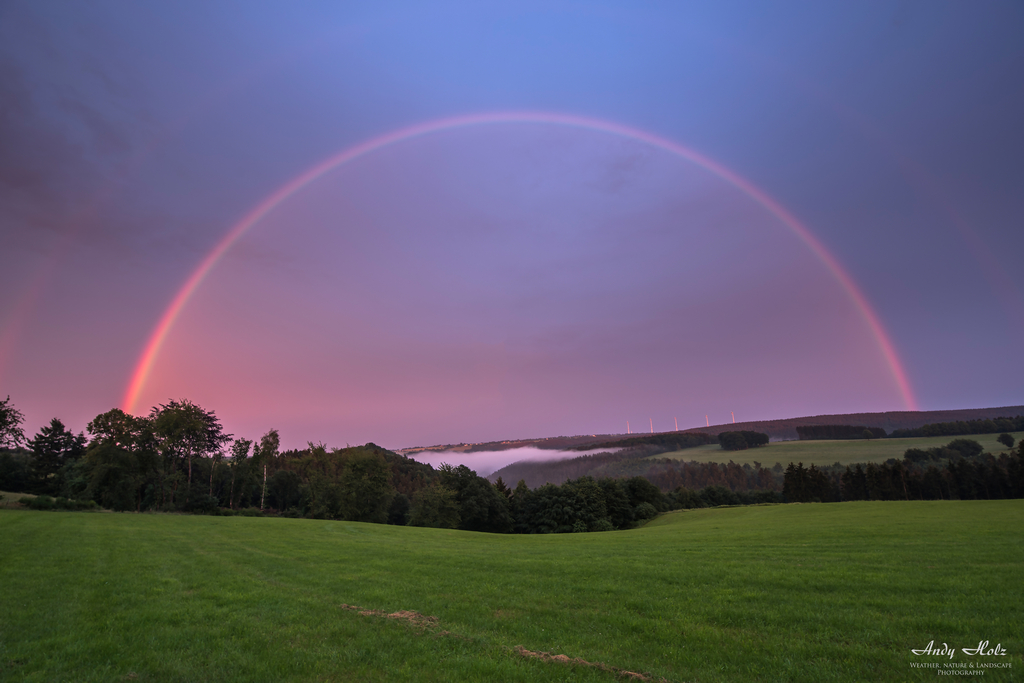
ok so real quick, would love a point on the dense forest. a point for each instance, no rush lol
(964, 427)
(786, 429)
(178, 459)
(817, 432)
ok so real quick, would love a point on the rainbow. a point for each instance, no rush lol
(170, 315)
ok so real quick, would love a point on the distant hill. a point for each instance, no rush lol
(550, 442)
(777, 430)
(783, 430)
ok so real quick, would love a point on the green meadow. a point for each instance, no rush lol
(833, 592)
(829, 452)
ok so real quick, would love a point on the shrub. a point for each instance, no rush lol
(714, 496)
(603, 524)
(202, 503)
(968, 448)
(435, 506)
(42, 503)
(645, 511)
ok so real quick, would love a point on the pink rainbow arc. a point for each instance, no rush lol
(170, 315)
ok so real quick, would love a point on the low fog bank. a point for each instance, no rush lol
(487, 462)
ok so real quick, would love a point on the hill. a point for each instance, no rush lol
(785, 430)
(777, 430)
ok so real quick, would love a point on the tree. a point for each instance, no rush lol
(366, 488)
(616, 502)
(239, 467)
(1006, 440)
(185, 431)
(11, 433)
(121, 458)
(501, 487)
(398, 511)
(481, 506)
(968, 448)
(732, 441)
(116, 476)
(53, 447)
(641, 490)
(265, 453)
(435, 506)
(284, 489)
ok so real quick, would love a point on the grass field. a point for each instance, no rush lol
(828, 452)
(837, 592)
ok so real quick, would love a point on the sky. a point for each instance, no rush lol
(430, 223)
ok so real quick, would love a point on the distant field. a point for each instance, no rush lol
(10, 500)
(837, 592)
(828, 452)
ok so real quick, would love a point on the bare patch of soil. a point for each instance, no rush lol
(563, 659)
(424, 623)
(421, 622)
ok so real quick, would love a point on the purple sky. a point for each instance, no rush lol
(520, 278)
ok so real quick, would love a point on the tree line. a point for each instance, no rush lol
(823, 432)
(742, 440)
(964, 427)
(178, 459)
(960, 470)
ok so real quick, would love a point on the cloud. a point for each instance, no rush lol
(486, 462)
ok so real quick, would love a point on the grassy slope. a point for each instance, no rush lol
(794, 592)
(828, 452)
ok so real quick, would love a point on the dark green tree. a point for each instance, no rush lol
(241, 474)
(122, 460)
(116, 476)
(641, 490)
(435, 506)
(398, 511)
(52, 448)
(481, 507)
(968, 448)
(284, 489)
(185, 431)
(1007, 440)
(264, 455)
(366, 489)
(732, 441)
(585, 500)
(501, 487)
(616, 503)
(11, 433)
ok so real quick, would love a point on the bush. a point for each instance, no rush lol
(203, 503)
(968, 448)
(435, 506)
(645, 511)
(1006, 440)
(42, 503)
(603, 524)
(713, 496)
